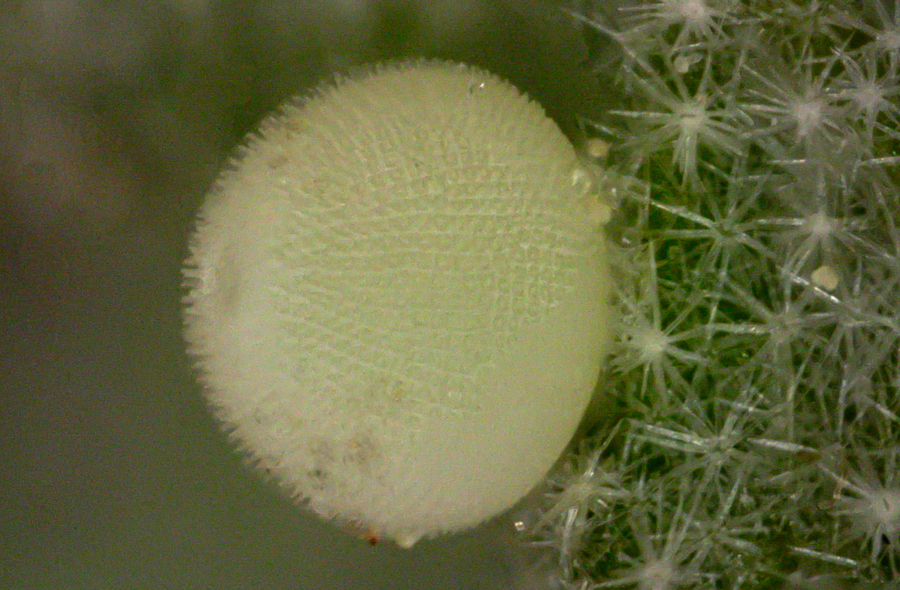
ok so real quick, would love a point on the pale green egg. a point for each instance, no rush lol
(397, 298)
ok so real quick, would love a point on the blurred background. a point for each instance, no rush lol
(114, 120)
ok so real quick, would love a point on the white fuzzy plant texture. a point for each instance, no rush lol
(756, 439)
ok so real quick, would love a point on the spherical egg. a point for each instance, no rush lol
(396, 298)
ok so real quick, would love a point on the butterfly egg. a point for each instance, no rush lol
(397, 298)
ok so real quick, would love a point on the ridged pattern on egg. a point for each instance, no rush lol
(396, 298)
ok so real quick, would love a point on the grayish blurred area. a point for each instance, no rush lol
(114, 120)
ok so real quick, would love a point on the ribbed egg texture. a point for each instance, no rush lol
(397, 298)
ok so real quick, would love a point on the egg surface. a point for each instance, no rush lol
(397, 298)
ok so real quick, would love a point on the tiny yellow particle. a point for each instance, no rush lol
(596, 148)
(826, 277)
